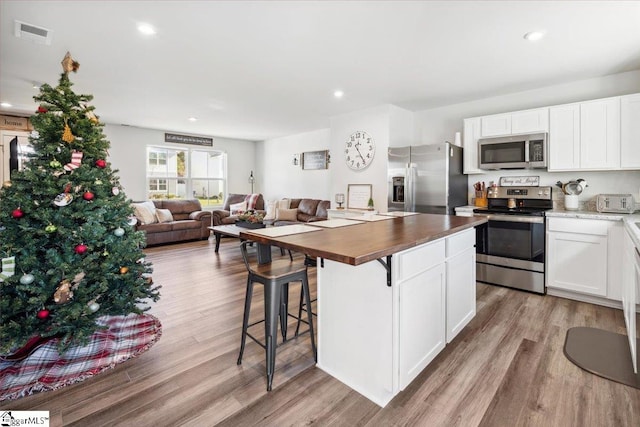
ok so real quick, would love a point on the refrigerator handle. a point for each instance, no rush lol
(410, 198)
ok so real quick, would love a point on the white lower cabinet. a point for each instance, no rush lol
(461, 291)
(422, 322)
(581, 256)
(437, 293)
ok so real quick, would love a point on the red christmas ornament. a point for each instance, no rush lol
(80, 249)
(17, 213)
(42, 110)
(43, 314)
(88, 195)
(101, 163)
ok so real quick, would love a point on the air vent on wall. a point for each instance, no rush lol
(32, 33)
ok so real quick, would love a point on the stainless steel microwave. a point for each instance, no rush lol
(513, 152)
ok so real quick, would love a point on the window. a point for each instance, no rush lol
(157, 159)
(158, 185)
(187, 173)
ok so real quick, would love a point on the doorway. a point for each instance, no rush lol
(5, 147)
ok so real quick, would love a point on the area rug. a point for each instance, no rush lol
(45, 369)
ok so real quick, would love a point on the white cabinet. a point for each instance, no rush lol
(496, 125)
(630, 131)
(461, 281)
(564, 137)
(528, 121)
(422, 322)
(437, 296)
(470, 145)
(583, 256)
(585, 136)
(630, 281)
(600, 134)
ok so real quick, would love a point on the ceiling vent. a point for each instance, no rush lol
(32, 33)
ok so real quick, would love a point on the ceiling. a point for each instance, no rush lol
(263, 69)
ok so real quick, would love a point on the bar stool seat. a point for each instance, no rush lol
(275, 276)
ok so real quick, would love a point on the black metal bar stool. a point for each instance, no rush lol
(275, 276)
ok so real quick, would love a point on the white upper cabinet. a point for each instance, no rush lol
(630, 131)
(564, 137)
(528, 121)
(470, 145)
(600, 134)
(585, 136)
(496, 125)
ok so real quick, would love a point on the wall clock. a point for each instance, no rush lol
(359, 150)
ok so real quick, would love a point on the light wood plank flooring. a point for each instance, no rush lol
(506, 368)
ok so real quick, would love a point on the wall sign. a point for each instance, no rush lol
(358, 196)
(188, 139)
(519, 181)
(15, 123)
(315, 160)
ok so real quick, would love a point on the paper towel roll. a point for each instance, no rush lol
(458, 139)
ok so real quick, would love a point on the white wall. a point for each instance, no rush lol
(128, 155)
(377, 123)
(278, 177)
(441, 124)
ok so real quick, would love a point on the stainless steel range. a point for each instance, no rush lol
(510, 246)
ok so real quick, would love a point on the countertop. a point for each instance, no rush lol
(629, 220)
(366, 241)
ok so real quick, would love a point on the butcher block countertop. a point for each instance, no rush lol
(366, 241)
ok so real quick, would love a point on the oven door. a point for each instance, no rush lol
(513, 236)
(510, 252)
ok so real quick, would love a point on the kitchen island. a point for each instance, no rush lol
(391, 293)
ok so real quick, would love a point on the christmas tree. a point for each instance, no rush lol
(69, 251)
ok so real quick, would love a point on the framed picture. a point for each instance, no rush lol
(315, 159)
(358, 196)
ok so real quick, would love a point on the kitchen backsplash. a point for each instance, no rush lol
(616, 182)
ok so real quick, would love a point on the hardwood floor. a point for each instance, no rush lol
(506, 368)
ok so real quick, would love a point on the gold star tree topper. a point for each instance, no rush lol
(68, 64)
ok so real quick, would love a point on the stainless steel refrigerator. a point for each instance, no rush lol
(426, 178)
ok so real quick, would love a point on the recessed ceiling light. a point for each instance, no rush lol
(338, 94)
(5, 105)
(146, 29)
(193, 119)
(533, 36)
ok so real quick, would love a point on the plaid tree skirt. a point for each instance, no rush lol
(45, 369)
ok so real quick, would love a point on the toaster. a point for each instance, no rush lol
(615, 203)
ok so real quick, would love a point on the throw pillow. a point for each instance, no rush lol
(238, 208)
(271, 210)
(286, 214)
(145, 212)
(251, 200)
(164, 215)
(283, 204)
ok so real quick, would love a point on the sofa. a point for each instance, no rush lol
(172, 220)
(223, 216)
(306, 210)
